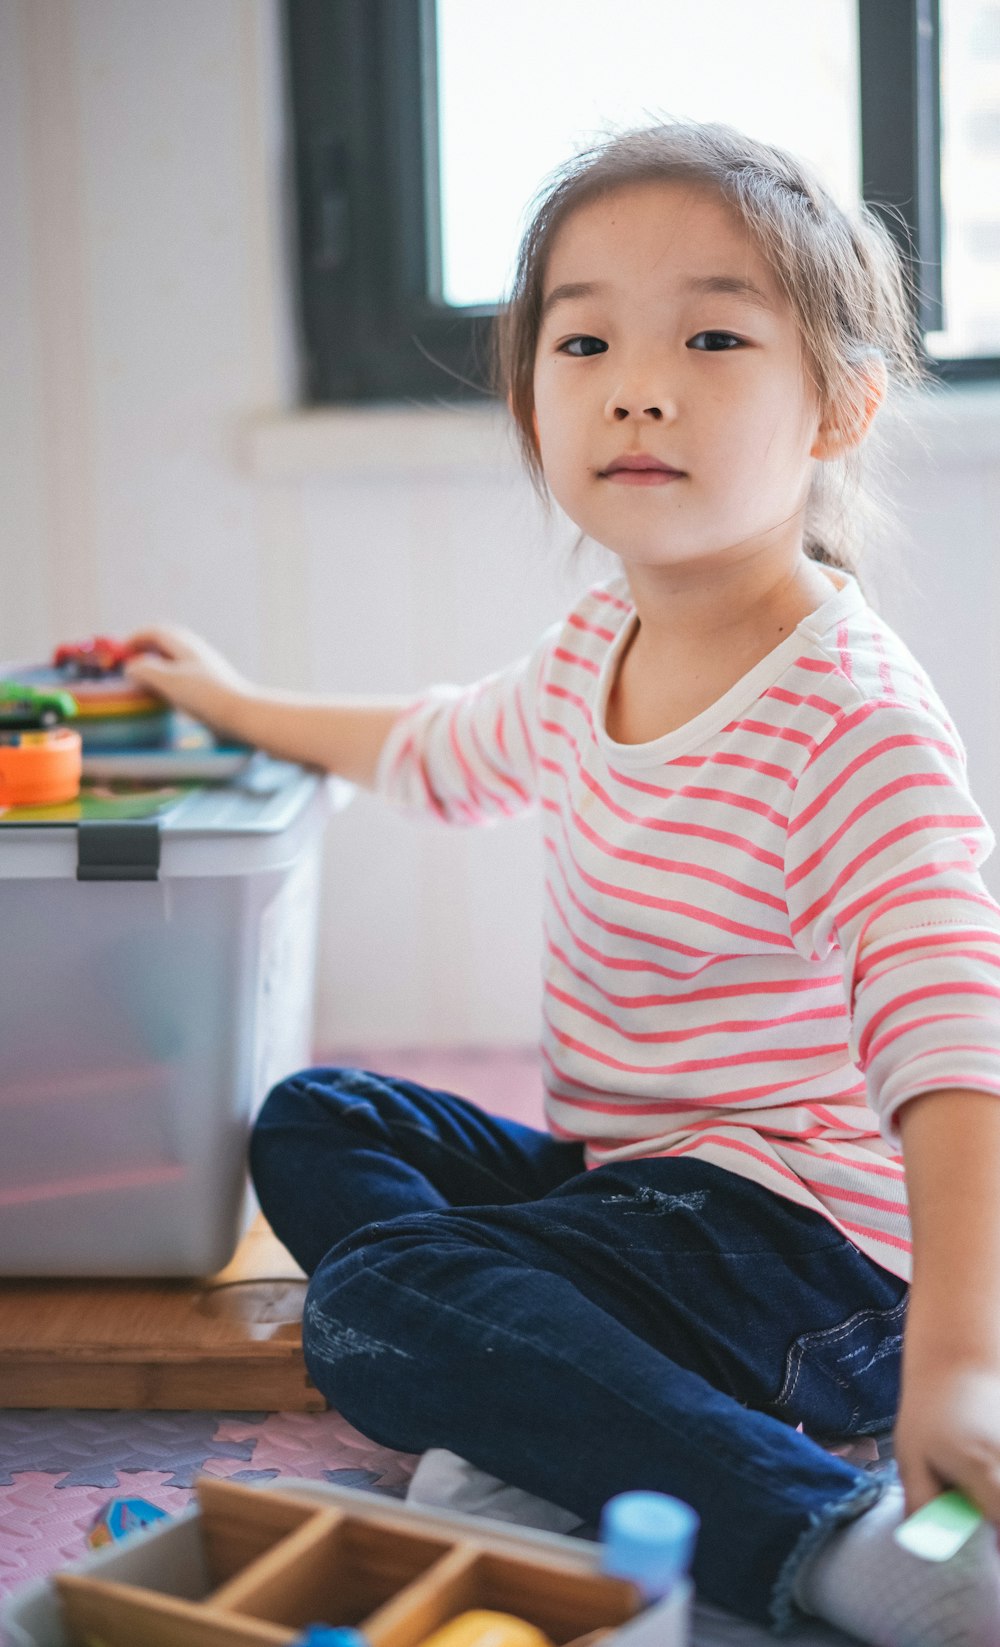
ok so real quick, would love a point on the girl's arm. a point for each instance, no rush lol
(343, 735)
(948, 1431)
(884, 847)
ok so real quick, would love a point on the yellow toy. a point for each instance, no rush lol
(481, 1628)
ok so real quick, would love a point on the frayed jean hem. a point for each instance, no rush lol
(785, 1611)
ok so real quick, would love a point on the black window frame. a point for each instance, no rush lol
(361, 89)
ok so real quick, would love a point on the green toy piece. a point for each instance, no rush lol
(938, 1530)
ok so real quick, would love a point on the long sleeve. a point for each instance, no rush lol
(469, 755)
(883, 856)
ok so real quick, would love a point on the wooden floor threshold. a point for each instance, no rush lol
(232, 1341)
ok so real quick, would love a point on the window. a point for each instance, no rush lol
(423, 127)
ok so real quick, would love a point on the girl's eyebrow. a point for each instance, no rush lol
(570, 289)
(728, 285)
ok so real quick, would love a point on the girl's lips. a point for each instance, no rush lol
(642, 477)
(640, 469)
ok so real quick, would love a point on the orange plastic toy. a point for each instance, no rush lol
(40, 768)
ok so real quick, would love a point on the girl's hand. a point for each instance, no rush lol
(948, 1434)
(190, 674)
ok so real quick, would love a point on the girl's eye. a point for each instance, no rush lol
(582, 346)
(713, 342)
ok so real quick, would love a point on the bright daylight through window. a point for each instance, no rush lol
(584, 72)
(784, 71)
(970, 178)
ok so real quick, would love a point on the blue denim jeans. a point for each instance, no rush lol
(660, 1323)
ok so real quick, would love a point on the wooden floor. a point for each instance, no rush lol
(233, 1341)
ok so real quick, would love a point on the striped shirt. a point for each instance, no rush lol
(764, 931)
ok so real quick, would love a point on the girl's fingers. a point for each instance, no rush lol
(979, 1480)
(144, 670)
(920, 1485)
(164, 640)
(983, 1488)
(145, 640)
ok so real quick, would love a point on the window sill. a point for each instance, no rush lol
(387, 441)
(958, 426)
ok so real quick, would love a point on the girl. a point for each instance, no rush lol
(771, 1035)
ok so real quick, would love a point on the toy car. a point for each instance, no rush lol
(28, 709)
(91, 659)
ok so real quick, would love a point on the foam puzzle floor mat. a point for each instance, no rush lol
(58, 1469)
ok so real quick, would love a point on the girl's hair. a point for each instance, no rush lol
(841, 275)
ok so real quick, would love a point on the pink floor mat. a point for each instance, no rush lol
(58, 1468)
(62, 1467)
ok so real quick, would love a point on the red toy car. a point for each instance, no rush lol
(91, 659)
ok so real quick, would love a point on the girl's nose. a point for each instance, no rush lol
(639, 404)
(620, 413)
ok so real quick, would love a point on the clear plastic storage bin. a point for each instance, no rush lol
(157, 979)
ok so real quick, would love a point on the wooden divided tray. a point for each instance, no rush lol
(255, 1567)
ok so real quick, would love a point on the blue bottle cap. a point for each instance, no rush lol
(649, 1539)
(330, 1635)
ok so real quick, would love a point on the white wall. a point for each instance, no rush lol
(150, 466)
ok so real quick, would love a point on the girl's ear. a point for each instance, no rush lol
(847, 424)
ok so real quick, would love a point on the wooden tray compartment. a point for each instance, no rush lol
(117, 1615)
(238, 1532)
(563, 1602)
(240, 1527)
(337, 1568)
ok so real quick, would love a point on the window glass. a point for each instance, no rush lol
(525, 84)
(970, 179)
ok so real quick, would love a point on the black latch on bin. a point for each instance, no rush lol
(118, 851)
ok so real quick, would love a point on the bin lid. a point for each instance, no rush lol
(245, 824)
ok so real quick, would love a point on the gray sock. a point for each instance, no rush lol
(862, 1581)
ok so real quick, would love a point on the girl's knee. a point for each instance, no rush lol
(323, 1097)
(303, 1098)
(290, 1113)
(297, 1105)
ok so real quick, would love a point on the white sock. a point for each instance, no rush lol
(443, 1481)
(862, 1581)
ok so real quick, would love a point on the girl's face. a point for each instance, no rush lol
(675, 419)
